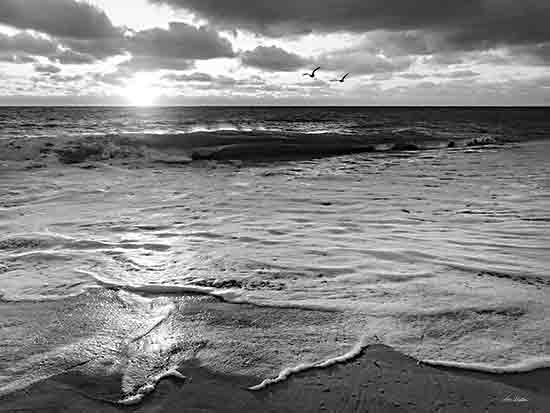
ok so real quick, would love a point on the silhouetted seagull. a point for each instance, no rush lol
(312, 74)
(341, 80)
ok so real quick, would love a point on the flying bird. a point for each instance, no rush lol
(341, 80)
(312, 74)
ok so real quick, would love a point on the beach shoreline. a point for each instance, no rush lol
(379, 379)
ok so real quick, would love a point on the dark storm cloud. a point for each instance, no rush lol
(460, 25)
(175, 48)
(81, 34)
(24, 46)
(180, 40)
(63, 18)
(330, 15)
(273, 58)
(26, 43)
(97, 49)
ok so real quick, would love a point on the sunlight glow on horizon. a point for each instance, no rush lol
(140, 92)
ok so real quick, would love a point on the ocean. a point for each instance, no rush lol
(254, 240)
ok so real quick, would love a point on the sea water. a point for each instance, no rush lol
(259, 240)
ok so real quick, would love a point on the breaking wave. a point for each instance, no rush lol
(224, 145)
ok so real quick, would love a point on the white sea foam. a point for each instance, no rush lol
(150, 386)
(527, 365)
(286, 373)
(530, 364)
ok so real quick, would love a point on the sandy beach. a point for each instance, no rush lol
(378, 380)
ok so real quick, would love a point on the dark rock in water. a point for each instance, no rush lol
(277, 151)
(451, 144)
(20, 243)
(173, 160)
(482, 141)
(219, 283)
(202, 154)
(48, 144)
(78, 154)
(405, 147)
(35, 166)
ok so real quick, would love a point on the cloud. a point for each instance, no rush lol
(62, 50)
(180, 40)
(67, 78)
(19, 59)
(24, 46)
(115, 78)
(536, 54)
(63, 18)
(413, 76)
(97, 49)
(154, 63)
(363, 62)
(71, 57)
(174, 48)
(332, 15)
(274, 59)
(436, 25)
(83, 34)
(193, 77)
(206, 81)
(46, 68)
(28, 44)
(458, 74)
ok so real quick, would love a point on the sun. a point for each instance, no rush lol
(140, 94)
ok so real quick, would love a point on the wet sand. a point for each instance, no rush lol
(378, 380)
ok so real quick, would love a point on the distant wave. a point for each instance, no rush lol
(225, 145)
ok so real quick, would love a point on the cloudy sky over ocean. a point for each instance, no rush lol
(471, 52)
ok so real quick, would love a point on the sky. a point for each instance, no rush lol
(252, 52)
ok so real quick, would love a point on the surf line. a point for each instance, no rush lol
(356, 352)
(225, 295)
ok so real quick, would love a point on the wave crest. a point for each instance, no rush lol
(222, 145)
